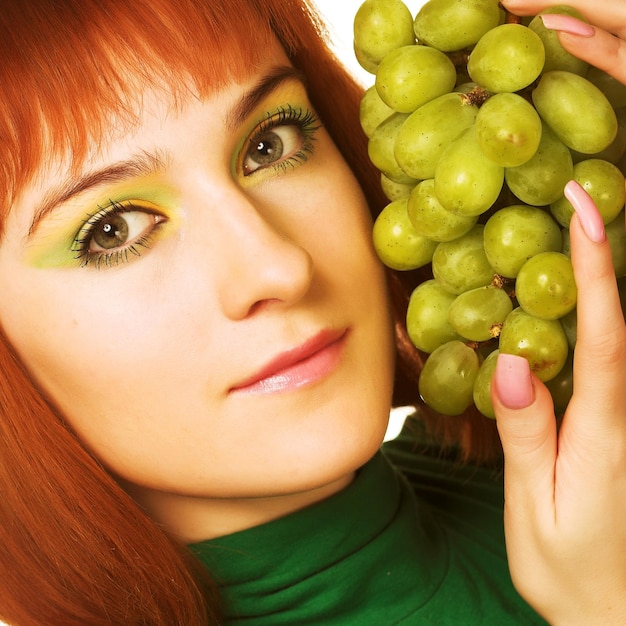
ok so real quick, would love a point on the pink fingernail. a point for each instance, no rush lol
(513, 381)
(587, 211)
(567, 24)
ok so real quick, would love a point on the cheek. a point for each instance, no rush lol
(340, 219)
(94, 347)
(120, 375)
(348, 257)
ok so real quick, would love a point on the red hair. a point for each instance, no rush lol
(75, 548)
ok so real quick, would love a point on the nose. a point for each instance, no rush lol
(259, 265)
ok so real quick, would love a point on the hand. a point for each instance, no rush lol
(604, 45)
(565, 491)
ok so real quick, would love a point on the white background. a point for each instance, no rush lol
(339, 16)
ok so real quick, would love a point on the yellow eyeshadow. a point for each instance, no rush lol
(52, 244)
(290, 94)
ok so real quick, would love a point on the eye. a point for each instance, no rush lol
(120, 228)
(115, 233)
(282, 140)
(272, 146)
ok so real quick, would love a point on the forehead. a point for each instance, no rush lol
(75, 90)
(141, 142)
(151, 107)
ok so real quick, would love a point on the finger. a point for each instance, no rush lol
(594, 45)
(609, 15)
(600, 356)
(527, 429)
(602, 45)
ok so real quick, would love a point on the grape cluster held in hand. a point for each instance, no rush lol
(477, 119)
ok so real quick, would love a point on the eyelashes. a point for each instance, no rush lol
(119, 232)
(116, 233)
(281, 141)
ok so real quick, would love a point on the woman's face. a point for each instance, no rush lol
(203, 304)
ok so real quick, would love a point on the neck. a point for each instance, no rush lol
(192, 519)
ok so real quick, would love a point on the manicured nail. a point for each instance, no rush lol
(567, 24)
(587, 211)
(513, 381)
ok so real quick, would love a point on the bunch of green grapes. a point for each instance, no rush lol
(477, 120)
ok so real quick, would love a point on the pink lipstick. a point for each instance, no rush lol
(302, 366)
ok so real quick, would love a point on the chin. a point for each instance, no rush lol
(345, 448)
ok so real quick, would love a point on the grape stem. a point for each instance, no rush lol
(498, 281)
(488, 344)
(477, 96)
(460, 59)
(495, 330)
(504, 283)
(510, 18)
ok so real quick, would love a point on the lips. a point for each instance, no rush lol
(312, 361)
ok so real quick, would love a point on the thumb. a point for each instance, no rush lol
(527, 427)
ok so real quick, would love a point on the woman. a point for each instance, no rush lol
(198, 349)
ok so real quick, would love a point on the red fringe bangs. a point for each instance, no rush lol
(50, 108)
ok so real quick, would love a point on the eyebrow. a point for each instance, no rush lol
(269, 83)
(139, 165)
(147, 163)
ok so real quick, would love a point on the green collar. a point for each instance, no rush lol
(362, 552)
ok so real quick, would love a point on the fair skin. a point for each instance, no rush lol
(240, 366)
(566, 491)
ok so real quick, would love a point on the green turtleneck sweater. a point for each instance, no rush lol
(413, 540)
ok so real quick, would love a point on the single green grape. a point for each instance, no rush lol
(464, 85)
(508, 129)
(557, 58)
(429, 130)
(541, 180)
(604, 182)
(372, 111)
(569, 323)
(446, 382)
(427, 316)
(365, 62)
(516, 233)
(561, 387)
(380, 149)
(507, 58)
(576, 110)
(431, 219)
(482, 385)
(616, 236)
(451, 25)
(616, 150)
(394, 190)
(381, 26)
(411, 76)
(542, 342)
(466, 180)
(545, 286)
(613, 89)
(478, 314)
(462, 264)
(397, 244)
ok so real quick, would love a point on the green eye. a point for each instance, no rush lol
(282, 140)
(272, 146)
(116, 233)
